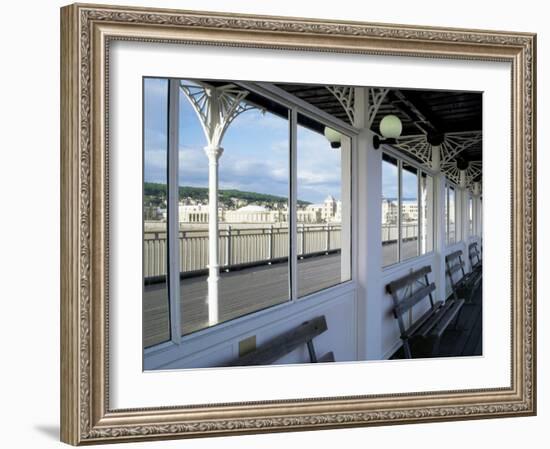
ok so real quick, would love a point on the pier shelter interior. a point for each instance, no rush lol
(380, 188)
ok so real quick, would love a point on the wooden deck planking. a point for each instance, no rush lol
(241, 292)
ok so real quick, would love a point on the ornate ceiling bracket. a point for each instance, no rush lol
(376, 96)
(346, 97)
(472, 173)
(417, 146)
(452, 172)
(454, 143)
(216, 107)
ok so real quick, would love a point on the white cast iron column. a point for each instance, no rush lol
(213, 154)
(370, 306)
(440, 225)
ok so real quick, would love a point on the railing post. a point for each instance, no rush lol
(327, 244)
(270, 254)
(228, 247)
(182, 252)
(302, 244)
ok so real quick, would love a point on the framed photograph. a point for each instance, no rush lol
(280, 224)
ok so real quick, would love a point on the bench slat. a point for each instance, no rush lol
(452, 256)
(429, 327)
(414, 299)
(468, 280)
(422, 320)
(455, 268)
(447, 316)
(284, 343)
(426, 329)
(398, 284)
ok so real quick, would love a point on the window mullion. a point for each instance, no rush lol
(173, 211)
(293, 191)
(419, 210)
(448, 218)
(399, 205)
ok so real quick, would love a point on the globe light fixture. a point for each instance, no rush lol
(334, 137)
(390, 129)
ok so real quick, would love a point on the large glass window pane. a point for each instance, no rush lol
(253, 201)
(390, 205)
(194, 217)
(451, 236)
(409, 212)
(156, 317)
(252, 215)
(471, 214)
(480, 209)
(426, 213)
(323, 208)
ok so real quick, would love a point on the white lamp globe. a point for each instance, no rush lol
(333, 136)
(391, 127)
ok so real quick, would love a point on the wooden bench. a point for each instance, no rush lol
(475, 257)
(466, 286)
(287, 342)
(431, 324)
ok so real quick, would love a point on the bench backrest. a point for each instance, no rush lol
(474, 253)
(454, 264)
(405, 296)
(285, 343)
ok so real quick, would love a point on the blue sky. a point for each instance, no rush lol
(255, 154)
(390, 186)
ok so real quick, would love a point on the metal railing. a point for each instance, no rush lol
(240, 246)
(390, 232)
(237, 246)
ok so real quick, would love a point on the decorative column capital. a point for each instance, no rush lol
(435, 158)
(462, 178)
(213, 153)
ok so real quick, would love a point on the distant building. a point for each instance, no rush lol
(329, 211)
(409, 210)
(196, 213)
(260, 214)
(254, 214)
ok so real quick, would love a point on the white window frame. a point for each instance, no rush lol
(471, 211)
(400, 158)
(448, 186)
(295, 107)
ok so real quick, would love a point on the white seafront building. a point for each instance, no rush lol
(409, 210)
(330, 211)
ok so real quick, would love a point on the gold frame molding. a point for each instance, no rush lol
(86, 31)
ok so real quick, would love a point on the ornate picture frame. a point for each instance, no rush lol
(87, 32)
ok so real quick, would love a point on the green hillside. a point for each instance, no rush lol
(154, 192)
